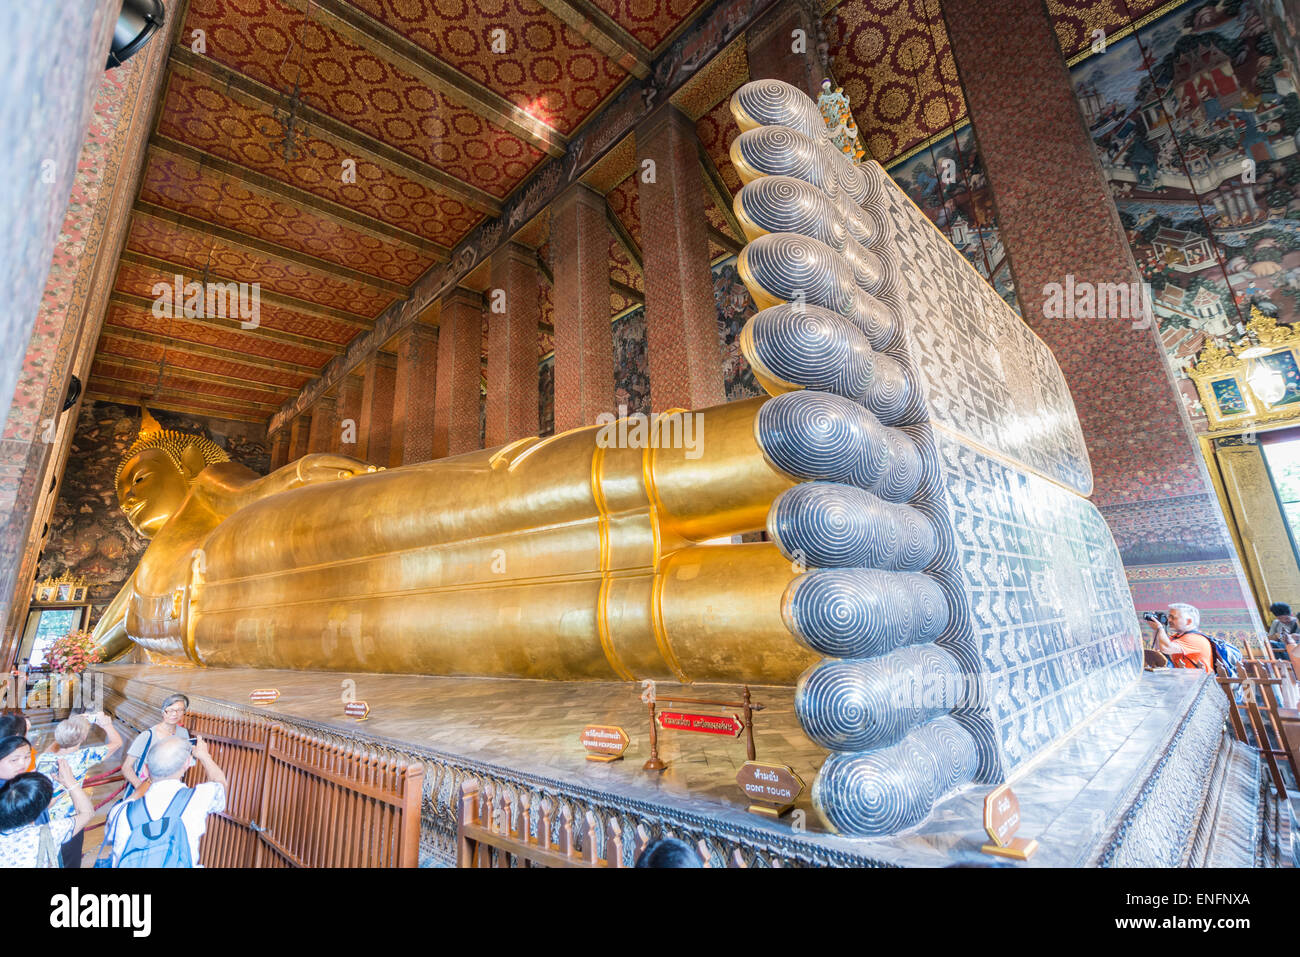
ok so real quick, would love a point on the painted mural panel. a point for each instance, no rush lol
(1195, 119)
(946, 181)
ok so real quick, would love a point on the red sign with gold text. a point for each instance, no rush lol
(729, 724)
(357, 709)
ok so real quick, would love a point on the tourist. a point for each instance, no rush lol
(69, 737)
(184, 808)
(1285, 630)
(28, 838)
(15, 757)
(136, 767)
(1182, 643)
(668, 852)
(13, 721)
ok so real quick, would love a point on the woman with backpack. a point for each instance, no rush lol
(28, 838)
(134, 768)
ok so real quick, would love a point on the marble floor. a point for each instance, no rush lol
(1070, 798)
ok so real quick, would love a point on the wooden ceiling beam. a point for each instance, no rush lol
(627, 292)
(717, 187)
(127, 362)
(125, 385)
(390, 46)
(261, 247)
(172, 344)
(727, 241)
(310, 202)
(280, 300)
(604, 33)
(260, 97)
(624, 237)
(174, 405)
(144, 304)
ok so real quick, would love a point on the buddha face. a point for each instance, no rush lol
(150, 490)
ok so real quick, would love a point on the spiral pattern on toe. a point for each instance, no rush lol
(810, 347)
(867, 795)
(783, 204)
(873, 317)
(889, 395)
(863, 613)
(900, 476)
(869, 270)
(814, 435)
(777, 151)
(839, 526)
(776, 103)
(849, 705)
(959, 760)
(801, 270)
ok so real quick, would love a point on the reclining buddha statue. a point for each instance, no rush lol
(934, 582)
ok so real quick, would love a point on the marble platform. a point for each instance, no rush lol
(1151, 780)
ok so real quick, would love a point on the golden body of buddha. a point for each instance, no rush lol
(556, 558)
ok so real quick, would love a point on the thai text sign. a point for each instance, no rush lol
(356, 709)
(773, 784)
(708, 723)
(605, 740)
(263, 695)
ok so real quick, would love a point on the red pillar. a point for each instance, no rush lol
(775, 52)
(347, 433)
(413, 395)
(298, 434)
(279, 449)
(514, 312)
(681, 318)
(374, 432)
(1056, 218)
(322, 424)
(584, 343)
(460, 353)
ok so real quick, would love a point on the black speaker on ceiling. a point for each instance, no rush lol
(138, 21)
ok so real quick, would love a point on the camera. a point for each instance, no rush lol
(1158, 616)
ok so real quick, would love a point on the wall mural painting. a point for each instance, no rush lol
(735, 306)
(946, 181)
(1196, 121)
(89, 536)
(546, 396)
(631, 364)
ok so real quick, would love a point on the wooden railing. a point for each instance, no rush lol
(319, 804)
(329, 806)
(494, 831)
(1255, 712)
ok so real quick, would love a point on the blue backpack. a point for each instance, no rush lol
(1229, 655)
(160, 842)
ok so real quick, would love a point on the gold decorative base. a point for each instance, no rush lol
(769, 810)
(604, 757)
(1020, 849)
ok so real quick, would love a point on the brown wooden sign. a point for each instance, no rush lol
(771, 788)
(357, 709)
(263, 695)
(604, 742)
(1001, 822)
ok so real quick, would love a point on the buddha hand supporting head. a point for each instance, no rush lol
(156, 473)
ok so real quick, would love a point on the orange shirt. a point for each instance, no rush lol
(1196, 652)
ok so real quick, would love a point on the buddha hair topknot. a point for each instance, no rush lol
(154, 436)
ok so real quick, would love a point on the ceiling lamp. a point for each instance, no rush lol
(1266, 383)
(138, 21)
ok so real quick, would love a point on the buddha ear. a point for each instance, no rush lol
(192, 461)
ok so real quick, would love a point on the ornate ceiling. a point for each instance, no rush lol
(333, 151)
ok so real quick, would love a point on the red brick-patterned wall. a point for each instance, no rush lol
(348, 425)
(584, 346)
(681, 321)
(413, 395)
(279, 449)
(374, 432)
(512, 346)
(1057, 219)
(460, 349)
(322, 424)
(299, 433)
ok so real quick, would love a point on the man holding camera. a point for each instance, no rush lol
(1181, 642)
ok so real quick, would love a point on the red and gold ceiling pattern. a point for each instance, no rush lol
(114, 346)
(181, 185)
(173, 381)
(340, 78)
(716, 130)
(196, 251)
(210, 120)
(139, 280)
(180, 330)
(547, 69)
(650, 21)
(1075, 20)
(626, 203)
(894, 61)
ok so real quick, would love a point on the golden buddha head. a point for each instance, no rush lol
(156, 471)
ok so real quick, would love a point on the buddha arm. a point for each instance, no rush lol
(308, 470)
(110, 633)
